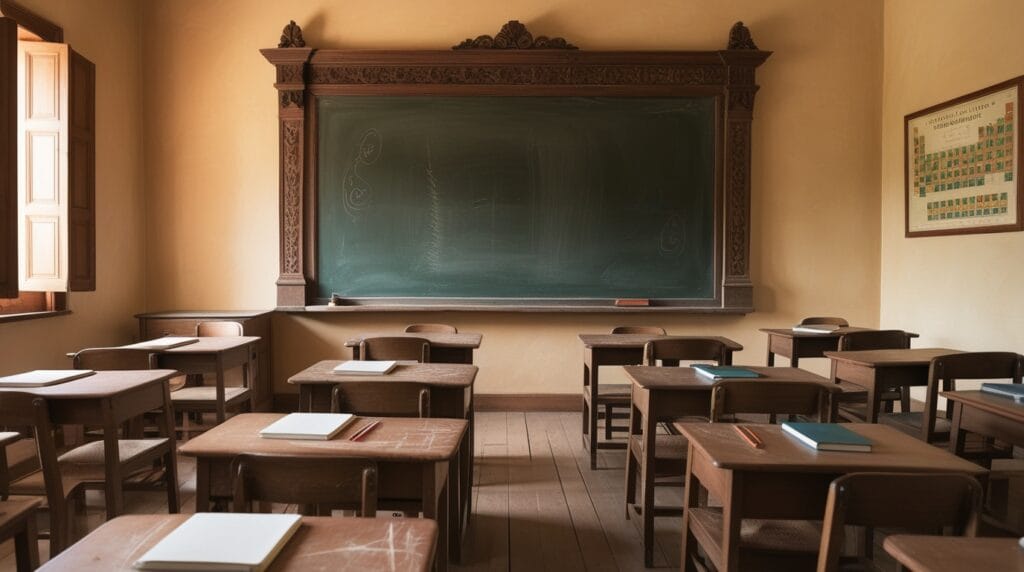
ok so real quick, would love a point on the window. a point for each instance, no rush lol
(47, 161)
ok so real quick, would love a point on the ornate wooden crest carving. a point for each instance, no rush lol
(514, 36)
(291, 36)
(740, 39)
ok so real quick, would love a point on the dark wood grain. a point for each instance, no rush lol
(946, 554)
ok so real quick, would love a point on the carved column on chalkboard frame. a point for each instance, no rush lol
(291, 58)
(741, 58)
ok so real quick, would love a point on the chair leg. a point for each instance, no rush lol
(26, 547)
(608, 410)
(647, 498)
(904, 400)
(630, 480)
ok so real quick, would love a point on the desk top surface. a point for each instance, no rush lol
(212, 345)
(439, 339)
(433, 374)
(993, 403)
(912, 357)
(892, 450)
(100, 384)
(955, 554)
(686, 378)
(789, 333)
(399, 439)
(321, 543)
(638, 340)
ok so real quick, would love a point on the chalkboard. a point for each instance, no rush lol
(516, 197)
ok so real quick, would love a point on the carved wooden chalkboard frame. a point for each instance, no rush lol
(514, 63)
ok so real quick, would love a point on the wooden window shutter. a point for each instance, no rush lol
(81, 174)
(43, 166)
(8, 159)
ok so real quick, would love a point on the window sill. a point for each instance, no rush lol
(4, 318)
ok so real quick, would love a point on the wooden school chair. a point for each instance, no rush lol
(395, 348)
(616, 396)
(931, 427)
(824, 320)
(107, 359)
(853, 401)
(668, 464)
(381, 399)
(18, 522)
(325, 482)
(924, 503)
(431, 328)
(815, 401)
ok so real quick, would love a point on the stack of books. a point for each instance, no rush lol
(313, 426)
(828, 437)
(717, 372)
(366, 367)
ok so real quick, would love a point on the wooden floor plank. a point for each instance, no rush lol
(486, 542)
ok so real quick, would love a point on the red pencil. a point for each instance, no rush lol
(749, 436)
(366, 429)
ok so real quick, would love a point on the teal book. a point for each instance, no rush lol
(725, 372)
(828, 437)
(1014, 391)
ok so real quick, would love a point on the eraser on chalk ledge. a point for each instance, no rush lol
(632, 302)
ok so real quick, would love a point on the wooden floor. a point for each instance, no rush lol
(537, 505)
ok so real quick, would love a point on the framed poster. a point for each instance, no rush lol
(962, 164)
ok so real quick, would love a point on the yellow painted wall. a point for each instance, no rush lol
(958, 291)
(211, 161)
(106, 32)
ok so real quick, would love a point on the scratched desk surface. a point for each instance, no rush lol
(394, 439)
(321, 543)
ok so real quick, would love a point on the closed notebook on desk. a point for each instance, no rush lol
(366, 367)
(222, 541)
(164, 343)
(315, 426)
(725, 372)
(828, 437)
(43, 377)
(815, 328)
(1014, 391)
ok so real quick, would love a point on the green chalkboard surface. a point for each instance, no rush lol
(516, 197)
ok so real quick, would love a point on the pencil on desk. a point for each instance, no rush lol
(749, 436)
(366, 429)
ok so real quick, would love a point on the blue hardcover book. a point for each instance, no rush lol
(828, 437)
(724, 372)
(1014, 391)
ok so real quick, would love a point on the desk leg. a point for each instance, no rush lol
(26, 546)
(592, 416)
(202, 485)
(435, 506)
(166, 421)
(957, 436)
(770, 359)
(874, 401)
(466, 462)
(454, 513)
(113, 487)
(221, 414)
(690, 500)
(305, 398)
(647, 473)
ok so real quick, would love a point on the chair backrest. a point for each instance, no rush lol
(398, 348)
(924, 503)
(304, 480)
(731, 397)
(382, 399)
(651, 330)
(219, 329)
(670, 351)
(101, 359)
(874, 340)
(812, 320)
(436, 328)
(946, 370)
(24, 409)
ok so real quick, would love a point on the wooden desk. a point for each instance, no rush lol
(444, 348)
(214, 355)
(663, 394)
(783, 480)
(880, 370)
(321, 543)
(985, 414)
(795, 345)
(254, 323)
(615, 349)
(107, 399)
(416, 459)
(451, 396)
(955, 554)
(18, 521)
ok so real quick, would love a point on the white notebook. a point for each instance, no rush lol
(318, 426)
(815, 328)
(43, 377)
(366, 367)
(222, 541)
(164, 343)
